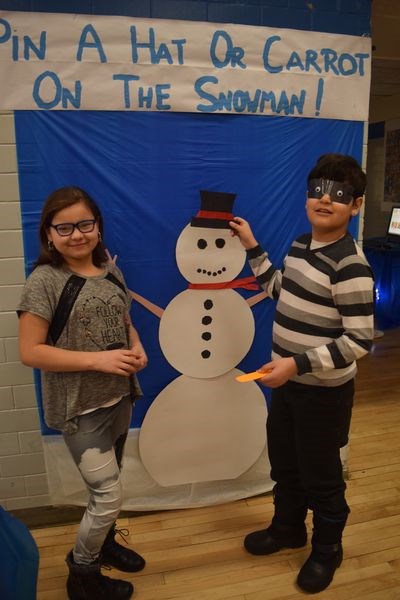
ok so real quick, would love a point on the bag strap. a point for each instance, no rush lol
(65, 303)
(67, 300)
(116, 281)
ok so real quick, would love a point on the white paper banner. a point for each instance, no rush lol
(85, 62)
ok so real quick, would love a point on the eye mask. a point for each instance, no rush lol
(338, 192)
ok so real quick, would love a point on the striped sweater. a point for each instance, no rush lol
(325, 303)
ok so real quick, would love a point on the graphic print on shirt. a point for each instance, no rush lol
(105, 323)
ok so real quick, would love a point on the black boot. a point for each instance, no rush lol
(319, 569)
(85, 582)
(115, 555)
(327, 552)
(276, 537)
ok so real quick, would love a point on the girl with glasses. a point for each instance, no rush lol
(75, 327)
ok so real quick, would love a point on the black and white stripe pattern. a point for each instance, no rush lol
(324, 315)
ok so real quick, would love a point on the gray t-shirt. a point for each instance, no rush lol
(98, 321)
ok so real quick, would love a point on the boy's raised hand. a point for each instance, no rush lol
(242, 229)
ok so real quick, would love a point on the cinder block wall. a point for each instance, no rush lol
(23, 480)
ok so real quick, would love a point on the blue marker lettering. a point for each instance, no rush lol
(163, 54)
(198, 87)
(7, 31)
(283, 104)
(297, 102)
(15, 48)
(61, 94)
(145, 100)
(135, 45)
(83, 43)
(330, 57)
(126, 79)
(346, 57)
(267, 47)
(361, 56)
(161, 96)
(67, 96)
(156, 55)
(240, 100)
(232, 54)
(179, 45)
(295, 62)
(30, 45)
(320, 93)
(311, 60)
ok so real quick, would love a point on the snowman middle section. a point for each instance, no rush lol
(205, 333)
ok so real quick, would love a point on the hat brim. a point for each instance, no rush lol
(210, 223)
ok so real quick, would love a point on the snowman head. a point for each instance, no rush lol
(206, 252)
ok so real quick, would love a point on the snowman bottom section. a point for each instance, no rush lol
(200, 430)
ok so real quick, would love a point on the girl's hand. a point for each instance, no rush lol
(140, 356)
(34, 352)
(278, 372)
(242, 229)
(118, 362)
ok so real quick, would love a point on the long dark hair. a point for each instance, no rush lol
(59, 199)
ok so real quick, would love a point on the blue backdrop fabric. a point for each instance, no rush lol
(145, 170)
(385, 265)
(19, 559)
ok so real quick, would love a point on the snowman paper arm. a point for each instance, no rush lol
(153, 308)
(156, 310)
(256, 298)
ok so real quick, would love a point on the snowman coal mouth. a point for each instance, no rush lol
(211, 273)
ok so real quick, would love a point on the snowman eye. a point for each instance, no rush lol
(220, 242)
(201, 244)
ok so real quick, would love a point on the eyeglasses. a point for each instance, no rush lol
(65, 229)
(337, 191)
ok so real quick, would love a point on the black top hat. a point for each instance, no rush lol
(215, 210)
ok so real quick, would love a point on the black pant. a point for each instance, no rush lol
(307, 426)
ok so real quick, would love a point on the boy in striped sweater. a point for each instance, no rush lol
(323, 324)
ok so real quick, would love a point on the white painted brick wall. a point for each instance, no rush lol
(23, 479)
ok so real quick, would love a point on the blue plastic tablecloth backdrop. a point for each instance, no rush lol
(145, 170)
(19, 559)
(385, 265)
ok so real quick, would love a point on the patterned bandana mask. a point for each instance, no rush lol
(338, 192)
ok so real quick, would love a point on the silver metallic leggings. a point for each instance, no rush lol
(97, 449)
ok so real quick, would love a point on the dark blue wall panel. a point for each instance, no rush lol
(245, 13)
(187, 10)
(62, 6)
(292, 18)
(350, 17)
(140, 9)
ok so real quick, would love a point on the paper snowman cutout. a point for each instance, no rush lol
(204, 425)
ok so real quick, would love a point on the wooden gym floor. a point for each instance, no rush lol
(197, 554)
